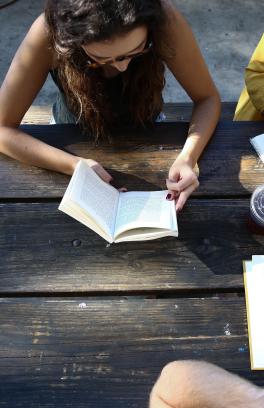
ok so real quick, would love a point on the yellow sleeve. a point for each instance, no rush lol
(254, 77)
(251, 102)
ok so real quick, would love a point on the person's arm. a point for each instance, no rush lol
(190, 70)
(197, 384)
(254, 77)
(26, 75)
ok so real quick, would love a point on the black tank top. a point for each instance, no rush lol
(113, 89)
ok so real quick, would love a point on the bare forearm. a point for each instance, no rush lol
(203, 122)
(20, 146)
(193, 384)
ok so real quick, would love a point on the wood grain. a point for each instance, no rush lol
(41, 115)
(85, 352)
(44, 250)
(140, 160)
(38, 115)
(183, 111)
(133, 307)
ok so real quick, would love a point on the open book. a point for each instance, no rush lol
(118, 216)
(254, 288)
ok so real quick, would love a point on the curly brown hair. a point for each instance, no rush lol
(74, 23)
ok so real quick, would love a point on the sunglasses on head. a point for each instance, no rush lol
(94, 64)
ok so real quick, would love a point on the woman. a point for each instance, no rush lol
(251, 102)
(108, 60)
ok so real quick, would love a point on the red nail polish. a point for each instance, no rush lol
(168, 197)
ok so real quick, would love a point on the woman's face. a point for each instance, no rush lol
(122, 47)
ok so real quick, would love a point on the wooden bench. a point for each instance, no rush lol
(86, 324)
(173, 112)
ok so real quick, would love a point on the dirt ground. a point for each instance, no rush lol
(227, 32)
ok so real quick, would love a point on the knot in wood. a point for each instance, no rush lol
(76, 243)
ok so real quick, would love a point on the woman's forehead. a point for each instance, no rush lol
(117, 45)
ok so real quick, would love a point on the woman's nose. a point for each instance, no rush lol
(121, 65)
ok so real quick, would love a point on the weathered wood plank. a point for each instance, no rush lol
(41, 115)
(44, 250)
(183, 111)
(38, 115)
(86, 353)
(140, 160)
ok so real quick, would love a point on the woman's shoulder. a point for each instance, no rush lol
(39, 31)
(39, 38)
(170, 11)
(175, 32)
(175, 24)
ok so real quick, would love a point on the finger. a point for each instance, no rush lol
(184, 195)
(122, 190)
(174, 175)
(172, 195)
(171, 185)
(188, 181)
(184, 183)
(179, 203)
(102, 172)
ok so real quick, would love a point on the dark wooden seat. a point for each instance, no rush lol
(84, 323)
(173, 111)
(182, 111)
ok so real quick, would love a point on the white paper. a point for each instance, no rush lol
(258, 143)
(92, 194)
(255, 305)
(95, 203)
(144, 209)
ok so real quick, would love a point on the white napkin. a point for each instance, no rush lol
(258, 144)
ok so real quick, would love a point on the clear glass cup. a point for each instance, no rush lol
(256, 219)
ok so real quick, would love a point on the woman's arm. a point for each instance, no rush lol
(197, 384)
(189, 68)
(27, 74)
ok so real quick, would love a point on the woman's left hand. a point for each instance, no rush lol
(181, 182)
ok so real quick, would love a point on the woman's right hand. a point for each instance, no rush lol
(98, 168)
(105, 176)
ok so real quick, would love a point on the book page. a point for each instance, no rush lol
(139, 209)
(75, 211)
(97, 198)
(254, 286)
(145, 234)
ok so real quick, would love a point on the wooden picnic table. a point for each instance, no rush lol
(86, 324)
